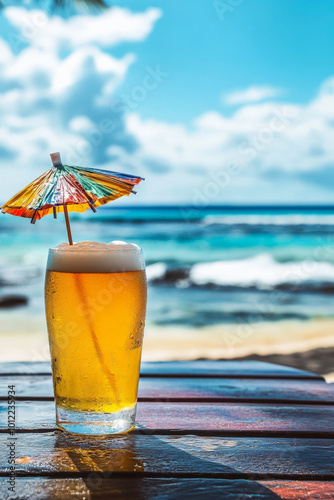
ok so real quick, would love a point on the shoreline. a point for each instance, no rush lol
(231, 341)
(311, 347)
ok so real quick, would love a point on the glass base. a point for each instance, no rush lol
(96, 424)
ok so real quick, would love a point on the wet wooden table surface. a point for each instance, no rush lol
(205, 429)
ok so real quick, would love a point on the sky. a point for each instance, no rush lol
(213, 101)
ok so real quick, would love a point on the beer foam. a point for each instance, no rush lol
(94, 257)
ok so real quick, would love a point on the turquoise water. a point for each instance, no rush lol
(205, 265)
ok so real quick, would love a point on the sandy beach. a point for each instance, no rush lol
(304, 344)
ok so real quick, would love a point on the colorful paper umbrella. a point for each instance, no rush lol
(66, 188)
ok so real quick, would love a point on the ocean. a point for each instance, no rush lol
(205, 266)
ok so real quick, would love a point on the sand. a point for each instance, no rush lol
(304, 344)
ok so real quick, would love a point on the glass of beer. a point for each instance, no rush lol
(95, 299)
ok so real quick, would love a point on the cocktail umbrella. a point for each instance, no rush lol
(66, 188)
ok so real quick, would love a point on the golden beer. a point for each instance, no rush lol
(96, 325)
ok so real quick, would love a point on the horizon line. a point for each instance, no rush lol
(226, 206)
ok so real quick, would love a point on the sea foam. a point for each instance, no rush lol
(261, 271)
(94, 257)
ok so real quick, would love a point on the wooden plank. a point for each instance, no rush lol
(229, 369)
(28, 386)
(25, 367)
(33, 387)
(167, 489)
(297, 490)
(58, 453)
(234, 417)
(165, 389)
(224, 369)
(199, 418)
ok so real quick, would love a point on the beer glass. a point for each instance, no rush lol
(95, 299)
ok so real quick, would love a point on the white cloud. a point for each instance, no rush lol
(88, 61)
(81, 124)
(212, 140)
(251, 94)
(57, 82)
(5, 53)
(114, 26)
(282, 151)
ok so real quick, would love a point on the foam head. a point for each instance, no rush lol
(93, 257)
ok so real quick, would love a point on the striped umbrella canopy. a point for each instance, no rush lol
(69, 188)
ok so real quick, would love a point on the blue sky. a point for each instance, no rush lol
(284, 43)
(213, 101)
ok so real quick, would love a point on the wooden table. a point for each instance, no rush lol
(225, 430)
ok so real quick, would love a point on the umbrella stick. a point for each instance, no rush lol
(68, 225)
